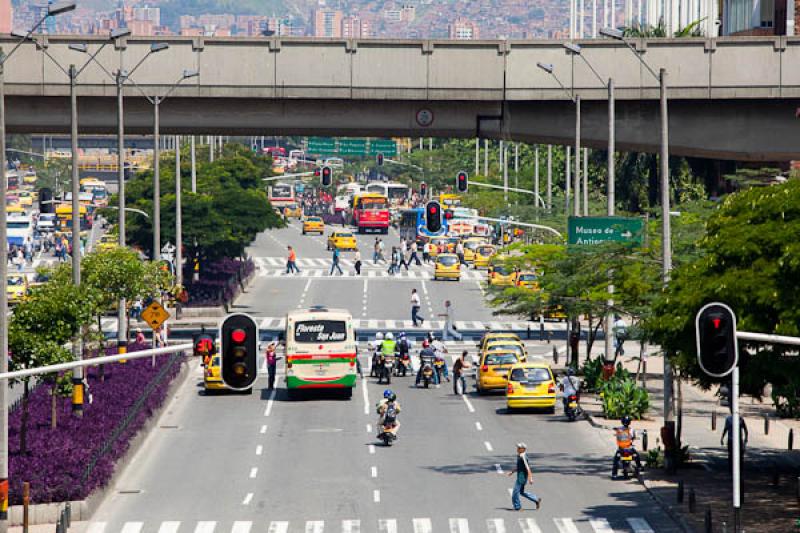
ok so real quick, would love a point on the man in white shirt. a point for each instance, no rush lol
(620, 330)
(415, 305)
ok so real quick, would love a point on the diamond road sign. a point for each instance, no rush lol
(593, 231)
(155, 315)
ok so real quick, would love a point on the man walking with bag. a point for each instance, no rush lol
(524, 477)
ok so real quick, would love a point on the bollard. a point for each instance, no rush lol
(541, 332)
(555, 355)
(680, 491)
(709, 525)
(26, 500)
(528, 334)
(68, 513)
(713, 420)
(644, 440)
(549, 336)
(766, 424)
(692, 500)
(791, 439)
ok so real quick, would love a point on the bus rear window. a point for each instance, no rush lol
(315, 331)
(373, 203)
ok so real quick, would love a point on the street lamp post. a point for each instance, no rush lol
(666, 233)
(52, 10)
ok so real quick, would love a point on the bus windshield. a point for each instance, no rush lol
(373, 203)
(320, 331)
(281, 191)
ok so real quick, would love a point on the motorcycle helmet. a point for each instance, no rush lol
(379, 336)
(388, 393)
(402, 335)
(389, 336)
(393, 397)
(626, 421)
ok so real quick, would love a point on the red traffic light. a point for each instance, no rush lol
(448, 214)
(238, 335)
(433, 209)
(462, 181)
(327, 176)
(379, 159)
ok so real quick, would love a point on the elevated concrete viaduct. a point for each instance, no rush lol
(733, 98)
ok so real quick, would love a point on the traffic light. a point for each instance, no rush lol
(448, 214)
(717, 351)
(423, 189)
(204, 345)
(46, 200)
(433, 217)
(379, 159)
(462, 181)
(239, 347)
(327, 176)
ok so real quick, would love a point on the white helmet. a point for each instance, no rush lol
(389, 336)
(379, 336)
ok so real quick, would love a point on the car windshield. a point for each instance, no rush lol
(16, 281)
(530, 375)
(527, 277)
(503, 271)
(486, 250)
(501, 359)
(506, 348)
(314, 219)
(447, 260)
(344, 235)
(471, 245)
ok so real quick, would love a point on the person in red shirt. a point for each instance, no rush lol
(291, 262)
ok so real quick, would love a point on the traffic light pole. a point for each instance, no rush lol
(737, 443)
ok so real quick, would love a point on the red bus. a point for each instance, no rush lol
(371, 212)
(282, 195)
(274, 151)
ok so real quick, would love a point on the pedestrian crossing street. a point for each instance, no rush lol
(390, 525)
(273, 267)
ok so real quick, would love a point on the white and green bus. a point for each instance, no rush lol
(320, 350)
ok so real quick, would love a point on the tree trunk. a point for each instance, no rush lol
(23, 429)
(53, 407)
(679, 394)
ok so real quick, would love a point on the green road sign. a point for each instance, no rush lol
(321, 145)
(387, 147)
(356, 147)
(593, 231)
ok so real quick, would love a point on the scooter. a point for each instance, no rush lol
(628, 463)
(385, 369)
(427, 375)
(388, 434)
(573, 409)
(402, 366)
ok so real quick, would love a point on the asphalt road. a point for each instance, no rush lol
(261, 463)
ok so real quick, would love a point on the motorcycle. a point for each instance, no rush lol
(402, 365)
(385, 369)
(573, 409)
(438, 365)
(628, 464)
(388, 434)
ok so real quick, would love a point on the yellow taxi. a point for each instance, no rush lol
(443, 245)
(29, 178)
(16, 288)
(501, 276)
(495, 336)
(25, 198)
(293, 211)
(555, 312)
(506, 345)
(107, 242)
(212, 376)
(447, 267)
(531, 385)
(493, 370)
(527, 280)
(470, 245)
(313, 225)
(342, 240)
(483, 255)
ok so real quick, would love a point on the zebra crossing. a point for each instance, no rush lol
(274, 267)
(388, 525)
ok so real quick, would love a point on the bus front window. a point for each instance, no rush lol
(320, 331)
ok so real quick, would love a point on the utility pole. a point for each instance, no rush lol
(178, 216)
(486, 157)
(568, 163)
(577, 185)
(504, 170)
(516, 165)
(477, 155)
(4, 396)
(156, 180)
(536, 177)
(586, 182)
(210, 148)
(549, 177)
(666, 234)
(194, 165)
(610, 190)
(77, 376)
(122, 333)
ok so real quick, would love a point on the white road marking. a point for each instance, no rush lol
(498, 468)
(253, 472)
(469, 403)
(528, 525)
(369, 428)
(488, 446)
(241, 527)
(374, 471)
(351, 526)
(268, 409)
(565, 525)
(315, 526)
(132, 527)
(459, 525)
(366, 282)
(247, 499)
(278, 527)
(510, 492)
(365, 394)
(259, 449)
(601, 525)
(422, 525)
(263, 429)
(478, 426)
(305, 289)
(205, 527)
(424, 288)
(387, 526)
(96, 527)
(496, 525)
(376, 496)
(372, 449)
(169, 527)
(640, 525)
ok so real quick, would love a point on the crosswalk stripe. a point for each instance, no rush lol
(640, 525)
(459, 525)
(278, 527)
(528, 525)
(169, 527)
(96, 527)
(241, 527)
(315, 526)
(351, 526)
(205, 527)
(496, 525)
(422, 525)
(601, 525)
(565, 525)
(387, 526)
(132, 527)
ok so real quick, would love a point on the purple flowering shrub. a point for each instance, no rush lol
(79, 456)
(219, 282)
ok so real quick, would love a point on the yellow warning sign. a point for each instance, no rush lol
(155, 315)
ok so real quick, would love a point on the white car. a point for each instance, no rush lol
(46, 223)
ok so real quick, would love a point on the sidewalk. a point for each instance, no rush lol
(766, 506)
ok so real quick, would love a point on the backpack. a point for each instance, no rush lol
(391, 414)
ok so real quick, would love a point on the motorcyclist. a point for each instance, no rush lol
(625, 435)
(388, 408)
(376, 350)
(387, 351)
(426, 356)
(403, 347)
(440, 351)
(569, 386)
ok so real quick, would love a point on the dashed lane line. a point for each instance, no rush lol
(271, 400)
(470, 408)
(263, 429)
(259, 449)
(374, 471)
(376, 496)
(253, 472)
(241, 527)
(488, 446)
(478, 426)
(387, 526)
(365, 394)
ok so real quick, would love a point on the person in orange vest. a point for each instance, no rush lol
(291, 262)
(625, 436)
